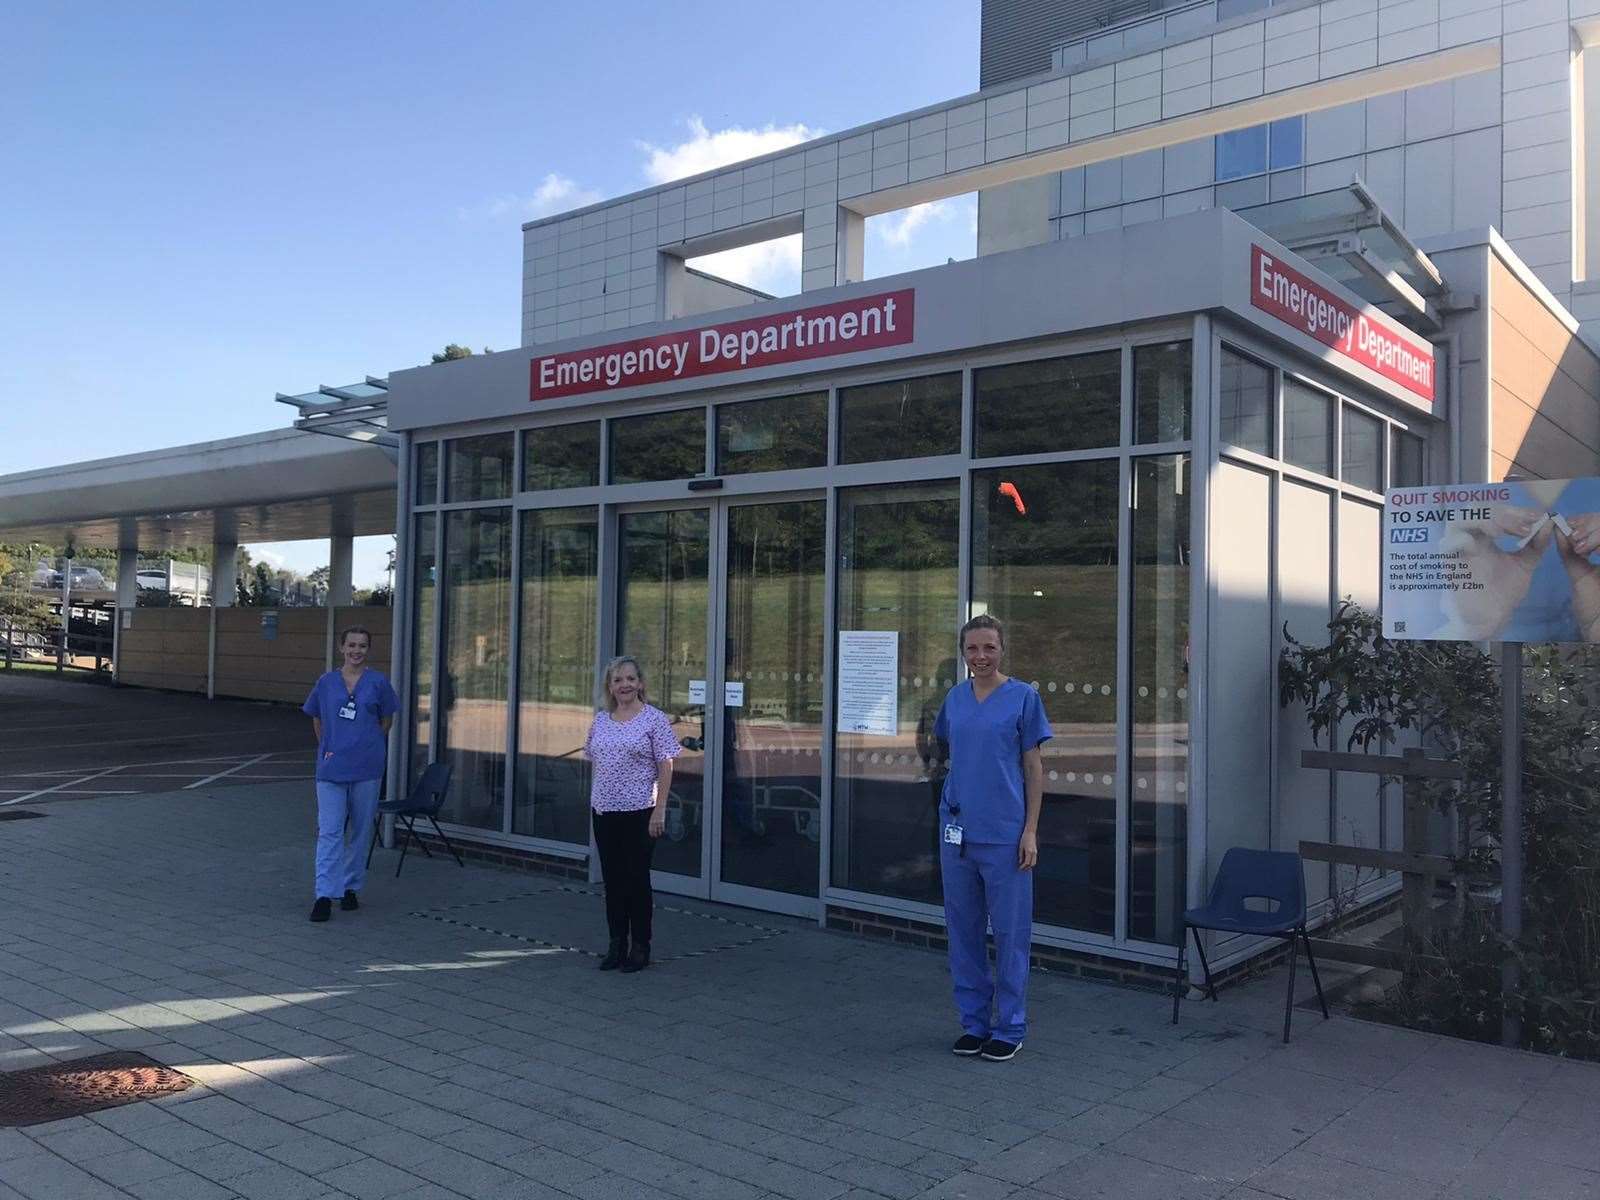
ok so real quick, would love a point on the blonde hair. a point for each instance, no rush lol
(982, 621)
(607, 700)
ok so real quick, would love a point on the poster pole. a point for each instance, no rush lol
(1510, 836)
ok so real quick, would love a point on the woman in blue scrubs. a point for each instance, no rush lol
(351, 710)
(989, 841)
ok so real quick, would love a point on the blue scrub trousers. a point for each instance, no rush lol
(341, 865)
(985, 887)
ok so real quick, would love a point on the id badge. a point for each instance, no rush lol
(952, 834)
(348, 712)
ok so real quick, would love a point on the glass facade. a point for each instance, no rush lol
(1307, 427)
(910, 418)
(899, 550)
(475, 678)
(669, 445)
(560, 562)
(783, 433)
(1044, 560)
(1072, 403)
(1158, 751)
(1247, 404)
(561, 456)
(1161, 375)
(479, 468)
(1067, 518)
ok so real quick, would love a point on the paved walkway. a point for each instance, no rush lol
(442, 1043)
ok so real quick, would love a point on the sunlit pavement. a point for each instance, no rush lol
(453, 1038)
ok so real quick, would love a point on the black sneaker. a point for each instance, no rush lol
(638, 958)
(322, 909)
(968, 1045)
(351, 902)
(994, 1050)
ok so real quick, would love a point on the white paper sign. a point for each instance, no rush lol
(869, 671)
(733, 695)
(697, 691)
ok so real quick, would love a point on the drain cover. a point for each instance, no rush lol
(17, 814)
(84, 1085)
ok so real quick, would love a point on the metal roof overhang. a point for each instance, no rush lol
(1351, 238)
(283, 485)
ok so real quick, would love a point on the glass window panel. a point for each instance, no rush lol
(1161, 377)
(1362, 450)
(1246, 403)
(424, 599)
(778, 434)
(663, 572)
(1044, 560)
(909, 418)
(1287, 138)
(1409, 459)
(477, 639)
(1049, 404)
(898, 550)
(561, 456)
(556, 673)
(772, 743)
(1159, 754)
(1241, 152)
(669, 445)
(428, 473)
(479, 468)
(1307, 427)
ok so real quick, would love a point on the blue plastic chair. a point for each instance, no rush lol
(426, 799)
(1274, 880)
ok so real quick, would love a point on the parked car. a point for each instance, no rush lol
(46, 578)
(88, 579)
(153, 580)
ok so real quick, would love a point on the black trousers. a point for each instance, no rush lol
(625, 845)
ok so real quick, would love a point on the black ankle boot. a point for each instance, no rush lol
(638, 958)
(615, 955)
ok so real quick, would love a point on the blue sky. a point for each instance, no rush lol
(202, 205)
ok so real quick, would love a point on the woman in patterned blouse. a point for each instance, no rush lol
(631, 746)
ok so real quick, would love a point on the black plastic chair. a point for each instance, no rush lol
(1275, 879)
(426, 799)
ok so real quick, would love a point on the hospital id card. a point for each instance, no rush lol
(952, 835)
(348, 712)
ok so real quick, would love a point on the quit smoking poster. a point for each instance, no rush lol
(1501, 562)
(869, 672)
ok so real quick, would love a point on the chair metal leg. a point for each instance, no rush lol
(446, 842)
(1181, 985)
(1211, 988)
(1315, 978)
(377, 822)
(1288, 1002)
(405, 844)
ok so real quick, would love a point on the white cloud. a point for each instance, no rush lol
(707, 149)
(555, 193)
(900, 228)
(767, 266)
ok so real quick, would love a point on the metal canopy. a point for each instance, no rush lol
(1347, 234)
(357, 411)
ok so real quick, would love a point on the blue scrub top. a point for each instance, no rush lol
(351, 750)
(987, 742)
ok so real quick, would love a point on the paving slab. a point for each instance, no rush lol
(453, 1038)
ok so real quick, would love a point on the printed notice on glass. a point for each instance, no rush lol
(697, 691)
(869, 670)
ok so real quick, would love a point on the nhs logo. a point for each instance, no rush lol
(1407, 535)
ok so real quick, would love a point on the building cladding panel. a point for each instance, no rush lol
(1016, 36)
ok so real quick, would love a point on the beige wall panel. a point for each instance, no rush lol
(1545, 388)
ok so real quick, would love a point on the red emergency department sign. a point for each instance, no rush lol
(1361, 335)
(866, 323)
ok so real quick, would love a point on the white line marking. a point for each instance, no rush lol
(60, 787)
(220, 774)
